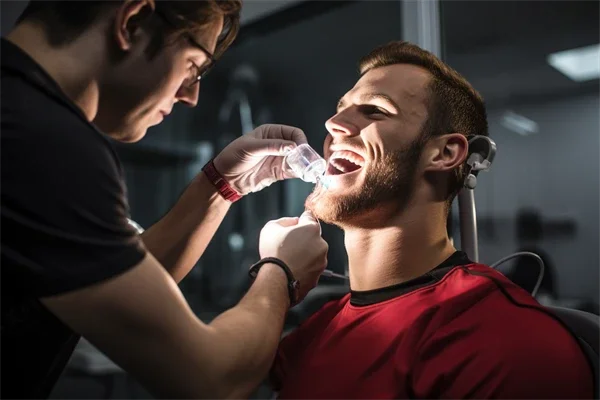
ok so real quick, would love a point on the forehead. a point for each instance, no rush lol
(404, 83)
(209, 34)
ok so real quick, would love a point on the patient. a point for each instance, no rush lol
(422, 320)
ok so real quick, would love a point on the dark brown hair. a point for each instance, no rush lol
(454, 106)
(65, 20)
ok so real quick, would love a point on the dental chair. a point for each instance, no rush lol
(583, 325)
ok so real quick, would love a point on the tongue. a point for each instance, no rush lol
(344, 166)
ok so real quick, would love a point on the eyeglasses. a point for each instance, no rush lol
(196, 72)
(199, 72)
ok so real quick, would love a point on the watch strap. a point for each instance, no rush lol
(223, 187)
(292, 285)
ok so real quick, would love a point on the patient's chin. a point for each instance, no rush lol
(333, 208)
(323, 206)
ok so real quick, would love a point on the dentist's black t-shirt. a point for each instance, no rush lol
(64, 220)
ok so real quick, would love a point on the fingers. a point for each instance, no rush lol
(285, 132)
(270, 147)
(298, 136)
(286, 221)
(308, 218)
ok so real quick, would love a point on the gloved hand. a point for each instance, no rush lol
(298, 243)
(256, 160)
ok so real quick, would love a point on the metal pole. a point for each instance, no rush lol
(468, 223)
(421, 26)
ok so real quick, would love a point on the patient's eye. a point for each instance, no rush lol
(373, 110)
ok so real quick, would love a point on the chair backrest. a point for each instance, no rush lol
(586, 326)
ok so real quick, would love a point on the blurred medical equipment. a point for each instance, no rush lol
(482, 151)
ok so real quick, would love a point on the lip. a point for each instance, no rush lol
(334, 148)
(165, 113)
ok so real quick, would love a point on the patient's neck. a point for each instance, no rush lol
(403, 248)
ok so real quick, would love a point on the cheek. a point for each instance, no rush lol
(326, 144)
(396, 137)
(168, 72)
(381, 139)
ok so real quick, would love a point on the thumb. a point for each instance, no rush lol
(308, 218)
(287, 221)
(270, 147)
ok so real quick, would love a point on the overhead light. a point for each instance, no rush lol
(581, 64)
(519, 124)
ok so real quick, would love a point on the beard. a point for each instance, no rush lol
(390, 182)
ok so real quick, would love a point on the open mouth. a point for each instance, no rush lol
(344, 162)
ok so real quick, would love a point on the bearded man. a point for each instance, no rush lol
(421, 319)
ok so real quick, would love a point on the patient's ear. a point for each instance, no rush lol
(446, 152)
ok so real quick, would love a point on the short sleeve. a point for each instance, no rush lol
(64, 206)
(491, 352)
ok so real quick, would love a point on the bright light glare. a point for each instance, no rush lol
(519, 124)
(581, 64)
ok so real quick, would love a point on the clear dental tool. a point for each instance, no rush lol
(307, 164)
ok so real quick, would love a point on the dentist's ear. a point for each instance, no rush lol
(128, 19)
(446, 152)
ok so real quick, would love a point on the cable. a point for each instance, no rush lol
(332, 274)
(521, 254)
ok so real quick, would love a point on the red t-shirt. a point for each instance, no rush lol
(460, 331)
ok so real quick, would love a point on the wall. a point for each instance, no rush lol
(9, 12)
(557, 172)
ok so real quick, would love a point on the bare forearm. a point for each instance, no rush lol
(180, 237)
(250, 332)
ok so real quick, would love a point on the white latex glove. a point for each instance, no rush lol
(298, 243)
(256, 160)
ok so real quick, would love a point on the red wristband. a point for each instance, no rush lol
(226, 191)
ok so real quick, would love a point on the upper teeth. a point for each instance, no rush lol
(348, 155)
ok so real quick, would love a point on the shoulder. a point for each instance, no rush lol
(479, 295)
(34, 119)
(47, 143)
(473, 286)
(492, 331)
(482, 312)
(504, 322)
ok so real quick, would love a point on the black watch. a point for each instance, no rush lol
(293, 284)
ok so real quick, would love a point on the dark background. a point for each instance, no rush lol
(294, 59)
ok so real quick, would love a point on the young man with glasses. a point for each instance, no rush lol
(71, 264)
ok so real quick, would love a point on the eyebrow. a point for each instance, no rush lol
(373, 96)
